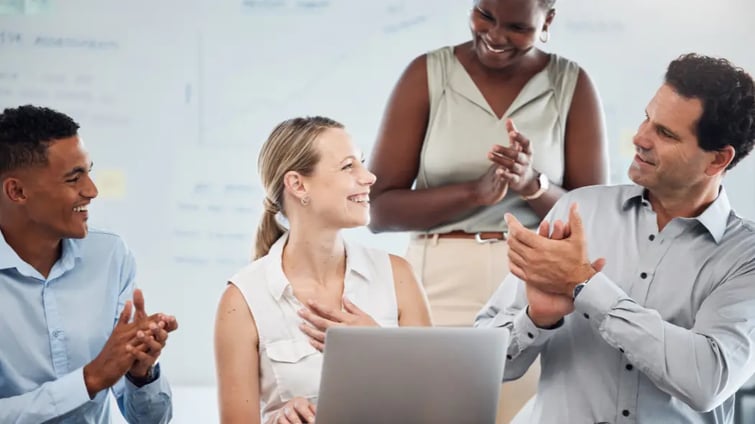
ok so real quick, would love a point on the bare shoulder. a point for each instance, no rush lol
(586, 94)
(415, 73)
(413, 308)
(403, 272)
(234, 313)
(232, 299)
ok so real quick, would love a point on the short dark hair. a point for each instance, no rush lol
(25, 133)
(728, 96)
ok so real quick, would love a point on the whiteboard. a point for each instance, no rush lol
(176, 97)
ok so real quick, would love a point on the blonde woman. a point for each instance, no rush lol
(272, 318)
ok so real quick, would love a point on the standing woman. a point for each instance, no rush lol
(271, 321)
(450, 161)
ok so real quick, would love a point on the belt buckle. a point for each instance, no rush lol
(481, 240)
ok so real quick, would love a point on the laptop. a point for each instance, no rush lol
(411, 375)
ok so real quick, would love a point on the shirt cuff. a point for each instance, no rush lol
(526, 334)
(598, 298)
(71, 392)
(146, 390)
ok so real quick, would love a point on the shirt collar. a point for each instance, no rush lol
(631, 194)
(357, 261)
(713, 218)
(9, 258)
(71, 252)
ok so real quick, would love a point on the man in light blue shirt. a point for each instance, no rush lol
(642, 305)
(65, 291)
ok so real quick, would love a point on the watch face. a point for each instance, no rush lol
(154, 372)
(544, 182)
(578, 288)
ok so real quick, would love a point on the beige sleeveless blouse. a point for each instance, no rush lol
(462, 128)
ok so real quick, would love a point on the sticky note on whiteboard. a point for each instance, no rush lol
(24, 7)
(111, 183)
(626, 148)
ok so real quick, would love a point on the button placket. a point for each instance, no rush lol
(648, 248)
(628, 387)
(58, 347)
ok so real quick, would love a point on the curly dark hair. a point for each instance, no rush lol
(25, 133)
(728, 96)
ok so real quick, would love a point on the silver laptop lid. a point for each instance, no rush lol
(411, 375)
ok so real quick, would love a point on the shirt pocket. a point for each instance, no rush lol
(296, 366)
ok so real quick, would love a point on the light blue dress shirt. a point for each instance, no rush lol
(51, 327)
(664, 334)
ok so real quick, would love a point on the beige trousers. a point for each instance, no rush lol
(459, 276)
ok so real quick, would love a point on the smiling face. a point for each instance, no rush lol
(668, 156)
(55, 195)
(503, 31)
(339, 187)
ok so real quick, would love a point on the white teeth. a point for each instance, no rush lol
(360, 198)
(492, 49)
(80, 209)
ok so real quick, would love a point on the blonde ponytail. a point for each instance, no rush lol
(290, 147)
(268, 232)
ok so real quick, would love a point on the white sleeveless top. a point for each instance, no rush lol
(462, 128)
(289, 365)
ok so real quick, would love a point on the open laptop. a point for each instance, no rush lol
(411, 375)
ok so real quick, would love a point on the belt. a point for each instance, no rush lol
(481, 237)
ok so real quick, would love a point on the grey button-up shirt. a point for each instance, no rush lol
(664, 334)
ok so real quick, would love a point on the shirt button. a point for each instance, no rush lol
(56, 334)
(625, 413)
(652, 237)
(508, 357)
(644, 275)
(586, 315)
(629, 367)
(530, 335)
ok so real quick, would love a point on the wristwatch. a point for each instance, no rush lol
(545, 184)
(578, 288)
(152, 375)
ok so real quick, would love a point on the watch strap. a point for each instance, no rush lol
(542, 179)
(152, 375)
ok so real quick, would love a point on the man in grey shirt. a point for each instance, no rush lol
(641, 304)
